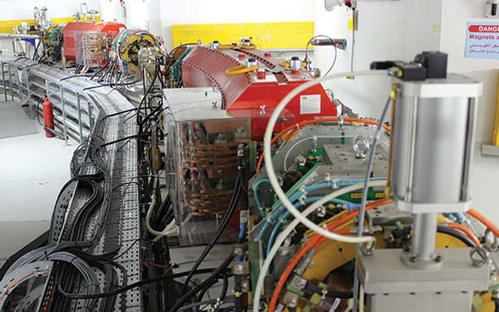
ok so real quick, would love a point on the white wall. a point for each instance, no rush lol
(233, 11)
(16, 9)
(144, 14)
(393, 30)
(159, 15)
(455, 16)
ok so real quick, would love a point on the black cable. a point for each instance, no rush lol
(228, 215)
(200, 303)
(101, 68)
(134, 285)
(111, 84)
(128, 249)
(456, 234)
(181, 301)
(111, 67)
(74, 76)
(154, 112)
(123, 139)
(151, 86)
(37, 47)
(119, 113)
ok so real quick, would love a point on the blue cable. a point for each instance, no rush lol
(300, 204)
(269, 220)
(257, 197)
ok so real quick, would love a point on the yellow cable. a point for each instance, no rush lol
(225, 47)
(285, 64)
(240, 70)
(248, 47)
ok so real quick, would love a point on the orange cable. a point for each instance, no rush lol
(466, 231)
(314, 242)
(487, 223)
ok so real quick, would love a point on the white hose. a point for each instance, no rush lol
(285, 233)
(169, 230)
(269, 166)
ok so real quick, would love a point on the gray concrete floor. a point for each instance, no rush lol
(33, 170)
(14, 235)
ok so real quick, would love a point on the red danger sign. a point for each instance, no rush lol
(484, 28)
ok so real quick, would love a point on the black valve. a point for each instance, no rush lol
(427, 65)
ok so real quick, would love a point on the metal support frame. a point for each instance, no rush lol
(412, 144)
(424, 236)
(391, 285)
(80, 126)
(63, 108)
(101, 102)
(11, 83)
(28, 89)
(4, 83)
(470, 142)
(90, 118)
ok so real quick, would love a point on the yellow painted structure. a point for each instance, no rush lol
(7, 26)
(293, 35)
(495, 134)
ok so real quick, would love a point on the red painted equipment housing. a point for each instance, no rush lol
(206, 67)
(112, 29)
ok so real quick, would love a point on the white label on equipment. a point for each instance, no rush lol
(310, 104)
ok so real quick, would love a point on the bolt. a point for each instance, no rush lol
(245, 285)
(238, 269)
(292, 302)
(438, 258)
(238, 252)
(413, 259)
(321, 212)
(301, 282)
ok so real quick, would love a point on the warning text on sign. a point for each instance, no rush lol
(482, 40)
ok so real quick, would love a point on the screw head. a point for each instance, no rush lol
(292, 302)
(301, 282)
(238, 269)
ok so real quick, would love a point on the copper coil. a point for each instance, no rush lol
(226, 146)
(207, 167)
(229, 161)
(209, 153)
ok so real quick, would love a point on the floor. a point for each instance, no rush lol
(33, 169)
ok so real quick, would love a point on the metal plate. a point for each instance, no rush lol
(385, 272)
